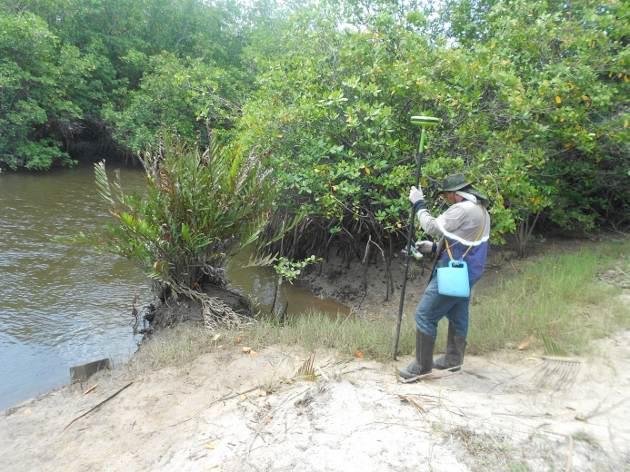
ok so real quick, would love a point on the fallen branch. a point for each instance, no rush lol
(598, 411)
(95, 407)
(223, 398)
(357, 369)
(413, 402)
(233, 395)
(91, 389)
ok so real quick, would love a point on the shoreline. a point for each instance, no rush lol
(370, 304)
(196, 400)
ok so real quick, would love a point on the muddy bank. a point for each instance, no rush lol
(338, 287)
(333, 288)
(222, 304)
(370, 292)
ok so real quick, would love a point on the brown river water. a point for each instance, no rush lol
(63, 304)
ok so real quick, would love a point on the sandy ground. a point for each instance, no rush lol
(233, 411)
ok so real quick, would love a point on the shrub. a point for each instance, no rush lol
(199, 207)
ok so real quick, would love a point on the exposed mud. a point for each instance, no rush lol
(223, 303)
(370, 292)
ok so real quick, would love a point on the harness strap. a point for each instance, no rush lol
(448, 249)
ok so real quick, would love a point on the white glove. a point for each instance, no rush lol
(415, 195)
(424, 247)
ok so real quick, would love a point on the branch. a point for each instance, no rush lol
(95, 407)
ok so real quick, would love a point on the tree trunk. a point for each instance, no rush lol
(524, 233)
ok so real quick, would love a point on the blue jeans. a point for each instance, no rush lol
(433, 306)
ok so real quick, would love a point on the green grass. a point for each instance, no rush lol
(557, 301)
(176, 346)
(347, 334)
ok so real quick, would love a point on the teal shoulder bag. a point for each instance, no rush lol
(452, 280)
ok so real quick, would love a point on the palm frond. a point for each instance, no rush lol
(102, 182)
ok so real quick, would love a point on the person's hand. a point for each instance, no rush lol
(416, 195)
(424, 247)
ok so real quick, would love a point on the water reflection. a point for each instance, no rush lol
(260, 283)
(60, 305)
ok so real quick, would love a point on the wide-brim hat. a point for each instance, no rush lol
(454, 182)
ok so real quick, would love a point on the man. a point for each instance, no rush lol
(463, 231)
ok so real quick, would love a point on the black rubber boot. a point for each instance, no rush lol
(424, 357)
(455, 348)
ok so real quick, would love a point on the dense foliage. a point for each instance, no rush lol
(198, 208)
(38, 74)
(533, 96)
(136, 65)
